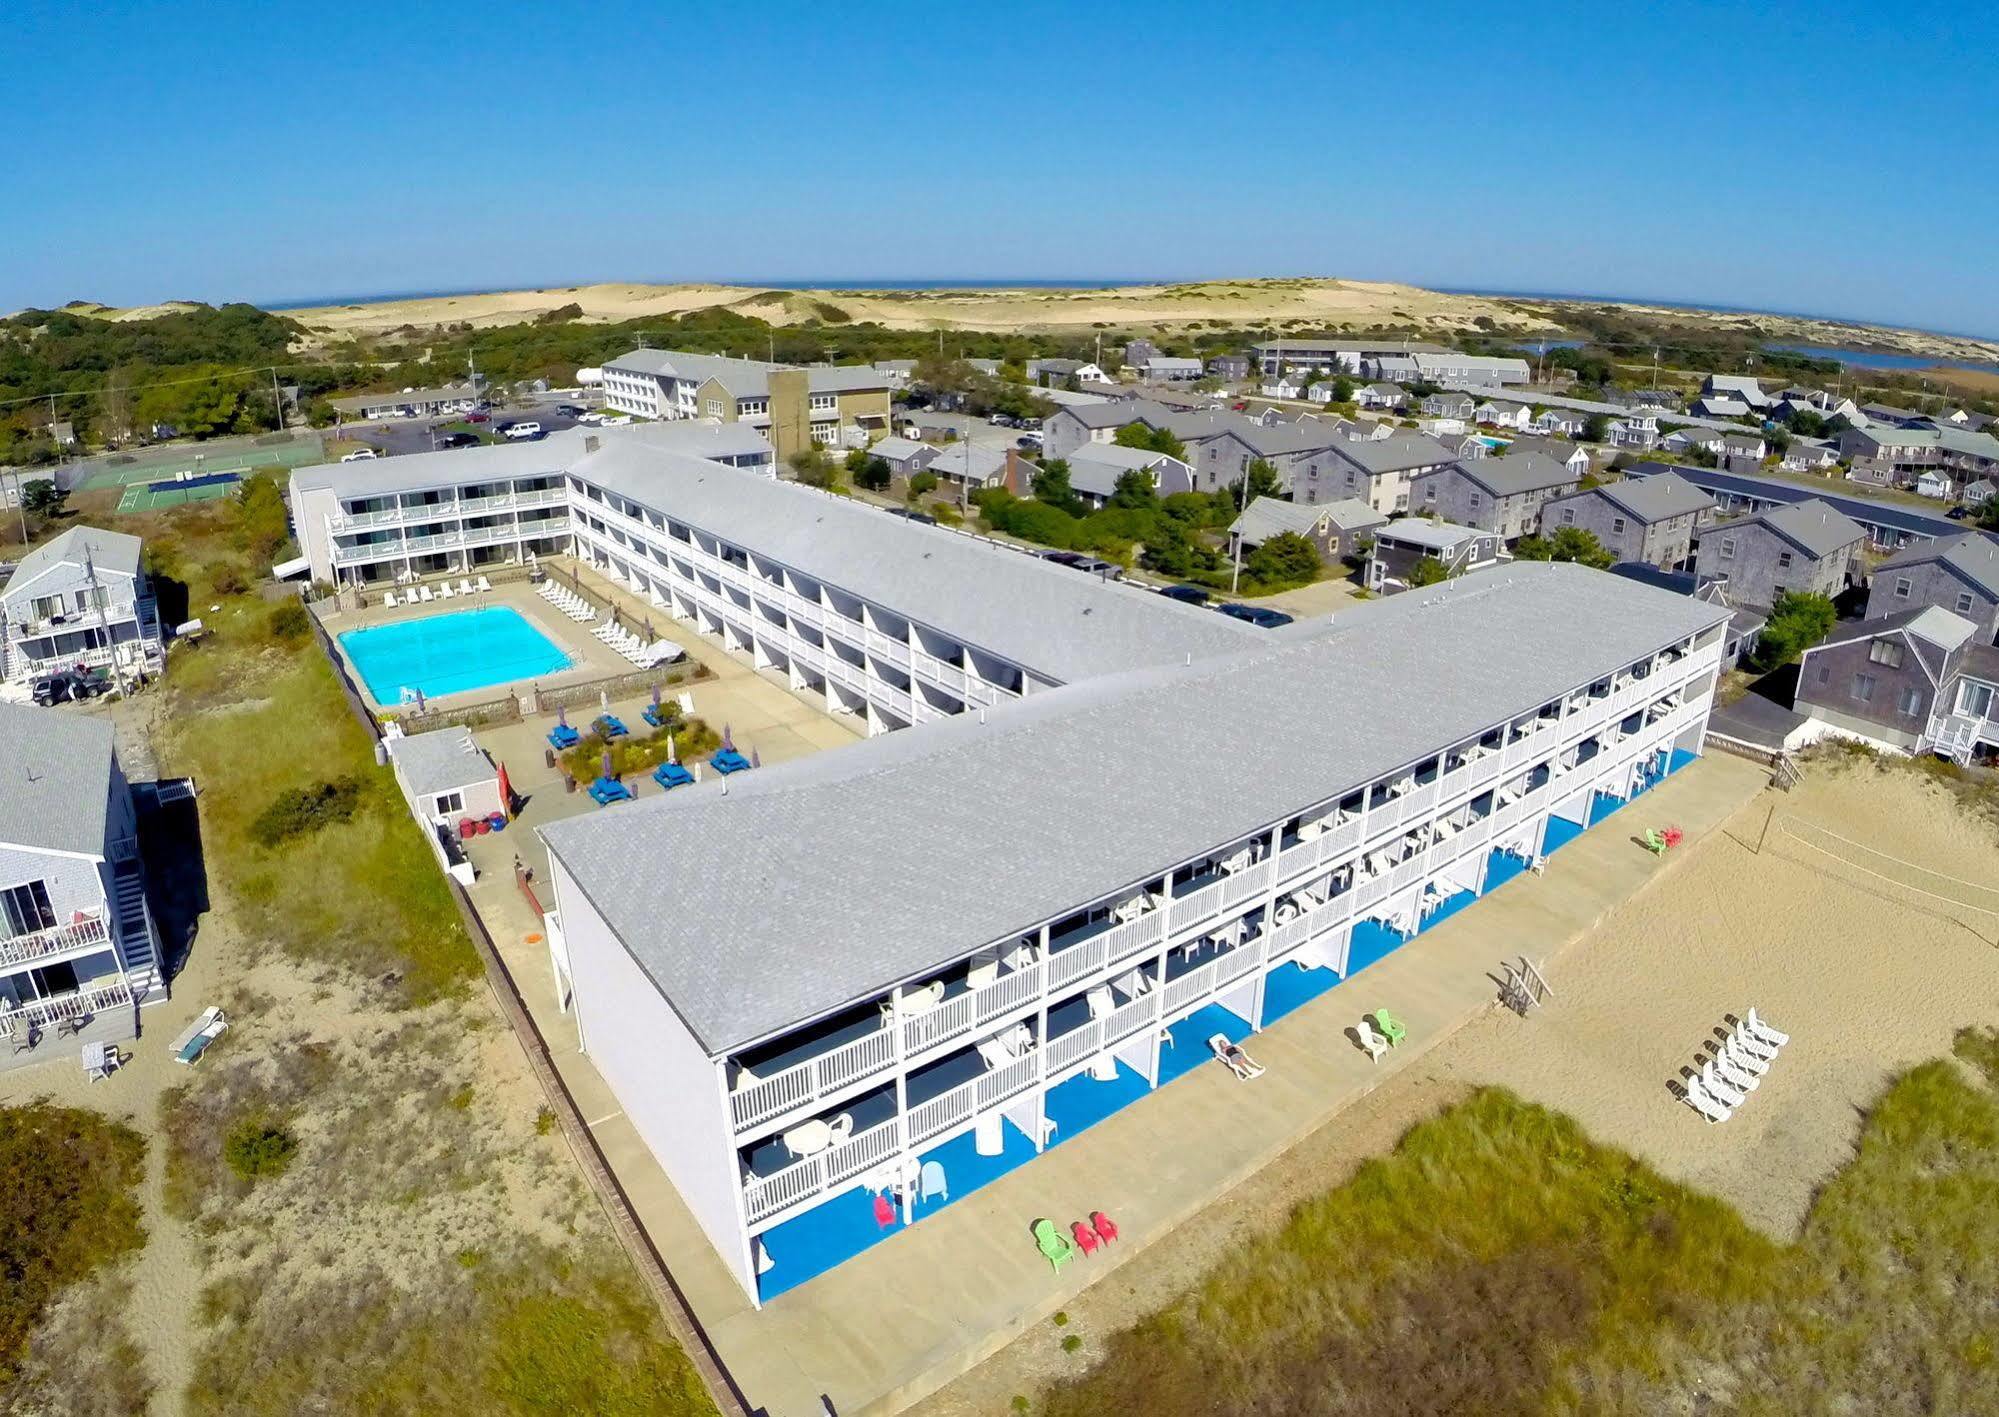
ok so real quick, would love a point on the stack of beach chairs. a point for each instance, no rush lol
(568, 602)
(620, 639)
(1733, 1068)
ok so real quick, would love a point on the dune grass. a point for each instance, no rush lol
(1498, 1261)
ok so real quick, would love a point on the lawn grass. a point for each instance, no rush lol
(66, 1208)
(1499, 1261)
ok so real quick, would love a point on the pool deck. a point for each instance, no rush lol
(929, 1302)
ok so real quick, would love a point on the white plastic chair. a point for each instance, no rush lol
(1721, 1091)
(1697, 1098)
(1736, 1076)
(1743, 1058)
(1764, 1031)
(1375, 1044)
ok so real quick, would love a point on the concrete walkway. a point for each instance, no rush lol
(928, 1303)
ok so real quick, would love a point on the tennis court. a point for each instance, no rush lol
(177, 492)
(237, 456)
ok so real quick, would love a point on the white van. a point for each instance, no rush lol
(360, 455)
(523, 430)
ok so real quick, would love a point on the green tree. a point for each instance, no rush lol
(1149, 439)
(1136, 489)
(1428, 571)
(1988, 514)
(1569, 543)
(1285, 559)
(1797, 622)
(1596, 428)
(922, 483)
(1051, 487)
(1342, 389)
(873, 474)
(42, 497)
(1259, 479)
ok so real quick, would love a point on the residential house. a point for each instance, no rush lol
(778, 1052)
(1138, 351)
(1888, 524)
(1634, 430)
(1056, 373)
(1746, 450)
(1282, 386)
(1888, 453)
(445, 777)
(1572, 456)
(1377, 471)
(79, 952)
(1978, 493)
(905, 456)
(1648, 519)
(82, 599)
(1692, 439)
(1959, 574)
(796, 409)
(1503, 495)
(1806, 548)
(1073, 425)
(1503, 413)
(1804, 455)
(1229, 366)
(898, 372)
(1465, 446)
(1933, 483)
(1169, 369)
(1560, 422)
(1449, 405)
(966, 466)
(1738, 388)
(1918, 681)
(1221, 446)
(1745, 623)
(410, 403)
(1381, 396)
(1721, 408)
(1967, 453)
(1401, 543)
(1335, 528)
(1094, 470)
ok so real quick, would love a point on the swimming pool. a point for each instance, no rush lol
(449, 654)
(1493, 443)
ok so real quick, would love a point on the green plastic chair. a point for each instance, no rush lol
(1392, 1028)
(1655, 841)
(1054, 1248)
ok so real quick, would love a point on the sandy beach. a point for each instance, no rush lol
(1866, 985)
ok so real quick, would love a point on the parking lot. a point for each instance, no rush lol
(418, 435)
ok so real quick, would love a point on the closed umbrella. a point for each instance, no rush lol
(506, 792)
(419, 701)
(655, 700)
(604, 771)
(671, 755)
(604, 700)
(728, 744)
(755, 761)
(561, 716)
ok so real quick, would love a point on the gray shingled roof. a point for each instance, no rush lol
(1069, 796)
(1927, 622)
(1049, 618)
(55, 779)
(1267, 516)
(1815, 527)
(1654, 499)
(1516, 473)
(1394, 454)
(112, 552)
(441, 761)
(1972, 555)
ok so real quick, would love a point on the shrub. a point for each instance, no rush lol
(257, 1148)
(300, 811)
(229, 580)
(1072, 1343)
(289, 621)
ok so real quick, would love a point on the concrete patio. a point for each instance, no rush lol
(929, 1302)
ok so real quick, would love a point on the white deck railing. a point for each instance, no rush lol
(89, 932)
(80, 1005)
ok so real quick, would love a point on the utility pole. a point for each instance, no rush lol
(277, 400)
(103, 620)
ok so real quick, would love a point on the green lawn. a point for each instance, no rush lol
(1499, 1261)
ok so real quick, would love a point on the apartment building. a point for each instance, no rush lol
(796, 408)
(1501, 495)
(1275, 356)
(1377, 471)
(79, 953)
(1649, 519)
(410, 403)
(791, 1031)
(391, 520)
(1959, 574)
(1918, 681)
(1809, 548)
(81, 599)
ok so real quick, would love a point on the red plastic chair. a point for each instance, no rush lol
(884, 1212)
(1106, 1231)
(1086, 1238)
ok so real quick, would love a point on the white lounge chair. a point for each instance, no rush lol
(484, 585)
(1233, 1058)
(195, 1038)
(389, 601)
(444, 591)
(1717, 1088)
(1743, 1058)
(1375, 1044)
(1697, 1098)
(1736, 1076)
(1763, 1030)
(423, 594)
(464, 586)
(1751, 1043)
(994, 1053)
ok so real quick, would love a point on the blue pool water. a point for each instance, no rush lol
(1494, 443)
(449, 654)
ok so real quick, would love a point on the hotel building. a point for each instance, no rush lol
(825, 405)
(966, 943)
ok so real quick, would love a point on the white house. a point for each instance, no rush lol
(1503, 413)
(1931, 483)
(81, 599)
(1381, 396)
(79, 953)
(1283, 386)
(1560, 422)
(793, 1033)
(1636, 430)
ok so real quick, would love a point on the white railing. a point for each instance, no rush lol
(765, 1196)
(803, 611)
(812, 1079)
(368, 551)
(926, 1029)
(895, 651)
(1124, 1022)
(86, 933)
(80, 1005)
(1073, 1046)
(1196, 906)
(1190, 986)
(1109, 947)
(1244, 884)
(1008, 992)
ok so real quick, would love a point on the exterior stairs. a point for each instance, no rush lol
(138, 942)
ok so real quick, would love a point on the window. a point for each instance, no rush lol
(449, 802)
(1909, 702)
(1886, 653)
(1824, 675)
(1430, 493)
(1728, 548)
(1863, 688)
(1568, 516)
(1474, 501)
(1975, 699)
(25, 909)
(1617, 526)
(1903, 587)
(1964, 602)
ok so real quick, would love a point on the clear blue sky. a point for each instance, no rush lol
(1819, 158)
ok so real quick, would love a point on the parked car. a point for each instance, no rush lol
(478, 417)
(1958, 513)
(361, 455)
(1187, 594)
(66, 685)
(1064, 558)
(1257, 615)
(1028, 440)
(617, 420)
(593, 419)
(574, 410)
(520, 432)
(457, 440)
(1000, 420)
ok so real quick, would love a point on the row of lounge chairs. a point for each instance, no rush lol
(629, 645)
(1734, 1068)
(424, 595)
(567, 601)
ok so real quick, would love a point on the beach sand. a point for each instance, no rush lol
(1865, 983)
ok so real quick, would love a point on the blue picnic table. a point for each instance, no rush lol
(672, 775)
(611, 726)
(728, 760)
(563, 736)
(606, 790)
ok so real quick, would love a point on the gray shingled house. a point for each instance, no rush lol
(1501, 495)
(1960, 575)
(1806, 547)
(1648, 519)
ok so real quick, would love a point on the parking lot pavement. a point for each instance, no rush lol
(414, 435)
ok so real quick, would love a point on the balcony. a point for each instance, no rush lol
(1109, 944)
(765, 1196)
(71, 621)
(65, 1008)
(86, 933)
(895, 651)
(807, 1082)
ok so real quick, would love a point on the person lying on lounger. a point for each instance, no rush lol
(1239, 1062)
